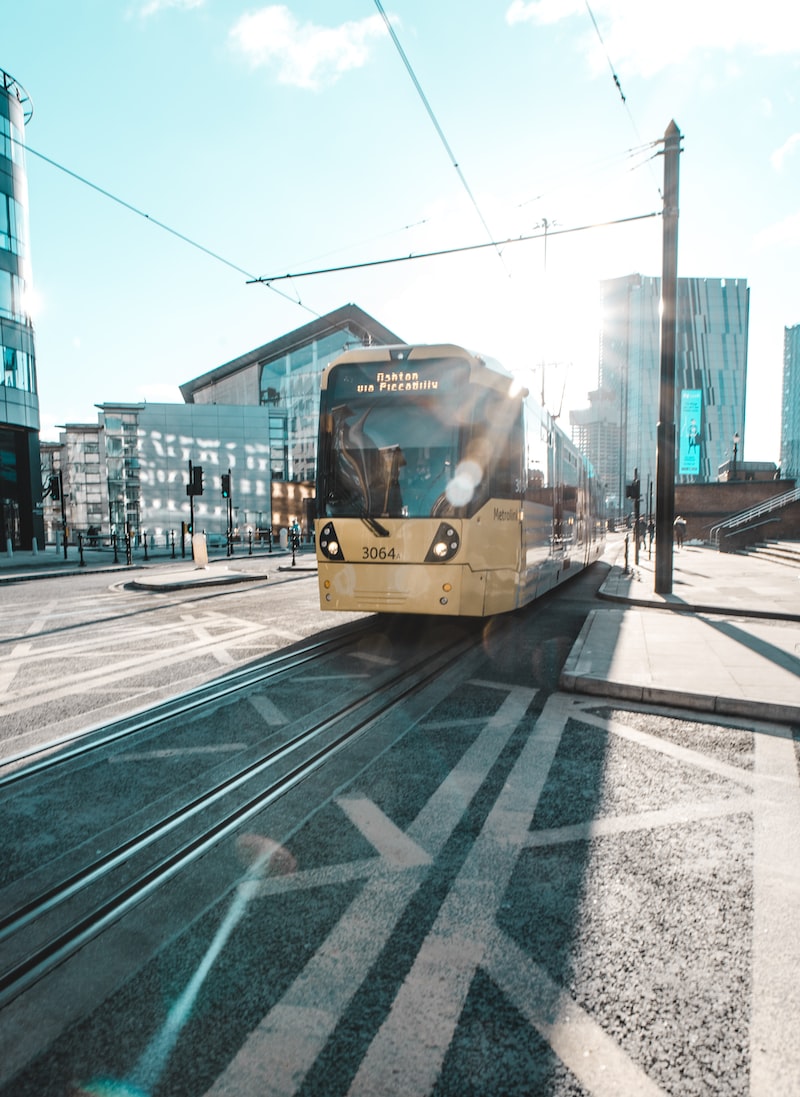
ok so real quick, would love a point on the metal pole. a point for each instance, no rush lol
(190, 493)
(637, 514)
(665, 454)
(63, 509)
(230, 515)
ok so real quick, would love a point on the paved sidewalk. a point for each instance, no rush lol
(727, 640)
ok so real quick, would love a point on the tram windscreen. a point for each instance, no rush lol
(391, 437)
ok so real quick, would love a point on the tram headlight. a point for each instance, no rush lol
(329, 543)
(445, 544)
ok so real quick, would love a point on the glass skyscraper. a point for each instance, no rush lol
(618, 431)
(20, 475)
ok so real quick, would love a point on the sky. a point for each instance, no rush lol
(179, 150)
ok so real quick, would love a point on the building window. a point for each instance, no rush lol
(17, 370)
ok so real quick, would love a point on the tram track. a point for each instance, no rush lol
(58, 915)
(27, 763)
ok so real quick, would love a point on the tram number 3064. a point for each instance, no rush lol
(372, 553)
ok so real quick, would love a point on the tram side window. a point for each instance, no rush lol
(508, 478)
(497, 446)
(539, 487)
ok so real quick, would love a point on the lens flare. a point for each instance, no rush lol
(462, 487)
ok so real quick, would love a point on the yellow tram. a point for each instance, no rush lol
(443, 488)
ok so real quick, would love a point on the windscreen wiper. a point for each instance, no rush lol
(376, 527)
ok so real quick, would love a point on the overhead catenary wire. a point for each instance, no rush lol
(615, 77)
(547, 234)
(602, 43)
(161, 225)
(576, 176)
(433, 118)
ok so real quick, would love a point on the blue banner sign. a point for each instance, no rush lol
(691, 423)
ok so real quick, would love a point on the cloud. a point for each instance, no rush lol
(784, 234)
(153, 7)
(639, 46)
(779, 155)
(542, 11)
(307, 55)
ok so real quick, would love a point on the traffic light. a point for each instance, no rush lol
(632, 490)
(55, 488)
(197, 480)
(226, 485)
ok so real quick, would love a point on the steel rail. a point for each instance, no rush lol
(22, 974)
(178, 705)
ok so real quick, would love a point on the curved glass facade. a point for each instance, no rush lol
(289, 386)
(20, 475)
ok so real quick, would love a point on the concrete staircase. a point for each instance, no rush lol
(781, 552)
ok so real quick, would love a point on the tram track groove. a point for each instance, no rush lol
(27, 964)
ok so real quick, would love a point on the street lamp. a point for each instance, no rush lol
(735, 451)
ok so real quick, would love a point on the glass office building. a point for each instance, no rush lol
(284, 377)
(145, 450)
(710, 379)
(254, 418)
(20, 475)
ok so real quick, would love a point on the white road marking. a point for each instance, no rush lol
(278, 1054)
(775, 1020)
(393, 844)
(672, 750)
(406, 1056)
(268, 710)
(579, 1042)
(19, 655)
(407, 1053)
(643, 820)
(371, 657)
(176, 752)
(110, 673)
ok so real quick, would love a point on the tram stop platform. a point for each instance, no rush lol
(726, 640)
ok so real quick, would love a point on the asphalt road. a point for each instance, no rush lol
(79, 650)
(516, 892)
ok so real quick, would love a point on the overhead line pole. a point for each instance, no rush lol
(665, 435)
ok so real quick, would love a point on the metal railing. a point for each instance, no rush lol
(745, 518)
